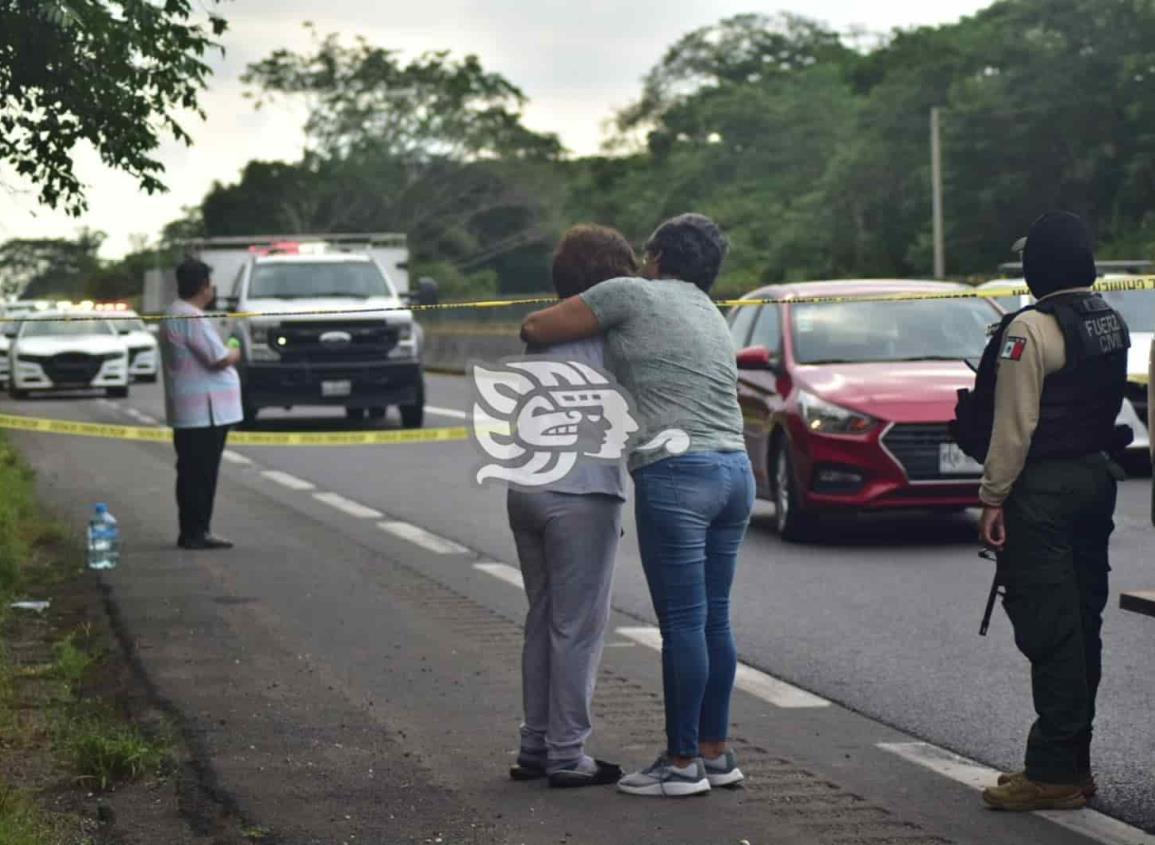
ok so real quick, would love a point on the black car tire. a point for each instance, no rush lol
(793, 523)
(16, 393)
(378, 413)
(355, 414)
(117, 392)
(413, 416)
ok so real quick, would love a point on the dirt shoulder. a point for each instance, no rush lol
(86, 753)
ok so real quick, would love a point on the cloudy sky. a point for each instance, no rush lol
(577, 62)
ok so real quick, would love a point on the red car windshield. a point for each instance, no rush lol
(873, 332)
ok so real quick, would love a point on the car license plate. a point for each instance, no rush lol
(336, 388)
(954, 461)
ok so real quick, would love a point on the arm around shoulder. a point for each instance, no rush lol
(569, 320)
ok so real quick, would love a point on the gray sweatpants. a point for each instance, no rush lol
(566, 544)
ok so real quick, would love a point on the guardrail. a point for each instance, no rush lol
(454, 338)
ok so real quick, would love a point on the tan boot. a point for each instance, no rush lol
(1023, 795)
(1090, 788)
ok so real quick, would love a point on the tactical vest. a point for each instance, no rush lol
(1079, 403)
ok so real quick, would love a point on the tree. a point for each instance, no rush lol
(742, 50)
(114, 74)
(433, 107)
(434, 147)
(44, 268)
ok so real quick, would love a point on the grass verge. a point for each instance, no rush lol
(57, 731)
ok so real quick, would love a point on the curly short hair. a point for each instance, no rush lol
(689, 247)
(588, 254)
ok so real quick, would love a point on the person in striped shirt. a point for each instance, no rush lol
(202, 401)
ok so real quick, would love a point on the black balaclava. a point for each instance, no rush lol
(1058, 254)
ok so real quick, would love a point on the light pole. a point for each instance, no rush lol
(936, 193)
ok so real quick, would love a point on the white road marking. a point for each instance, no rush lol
(286, 480)
(1088, 823)
(505, 572)
(140, 416)
(420, 537)
(108, 403)
(751, 680)
(348, 506)
(236, 458)
(447, 412)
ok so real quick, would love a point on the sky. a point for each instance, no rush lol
(577, 62)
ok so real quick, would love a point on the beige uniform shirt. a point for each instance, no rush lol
(1033, 348)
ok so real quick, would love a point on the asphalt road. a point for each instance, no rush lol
(881, 617)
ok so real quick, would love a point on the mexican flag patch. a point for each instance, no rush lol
(1013, 348)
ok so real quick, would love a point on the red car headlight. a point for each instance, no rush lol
(824, 417)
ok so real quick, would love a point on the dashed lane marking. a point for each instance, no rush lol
(335, 500)
(1089, 823)
(236, 458)
(140, 416)
(420, 537)
(447, 412)
(748, 679)
(503, 571)
(286, 480)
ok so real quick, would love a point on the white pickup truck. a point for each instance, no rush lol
(325, 322)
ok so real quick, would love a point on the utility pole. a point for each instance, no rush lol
(936, 190)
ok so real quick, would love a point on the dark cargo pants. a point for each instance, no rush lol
(1054, 569)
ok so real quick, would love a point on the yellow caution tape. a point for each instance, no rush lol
(1131, 283)
(160, 434)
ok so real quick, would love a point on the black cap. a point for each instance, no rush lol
(1057, 254)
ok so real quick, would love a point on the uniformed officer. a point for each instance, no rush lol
(1048, 494)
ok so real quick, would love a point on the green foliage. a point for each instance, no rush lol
(40, 268)
(18, 517)
(22, 822)
(434, 107)
(110, 73)
(70, 663)
(811, 153)
(104, 751)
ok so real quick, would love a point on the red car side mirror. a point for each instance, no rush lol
(755, 358)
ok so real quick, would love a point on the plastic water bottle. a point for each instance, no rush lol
(103, 539)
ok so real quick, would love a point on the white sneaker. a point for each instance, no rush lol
(665, 780)
(723, 770)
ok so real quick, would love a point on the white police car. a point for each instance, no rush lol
(5, 328)
(47, 353)
(143, 349)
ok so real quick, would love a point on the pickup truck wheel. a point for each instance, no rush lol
(792, 521)
(354, 414)
(413, 416)
(377, 413)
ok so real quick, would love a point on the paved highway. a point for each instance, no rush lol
(880, 618)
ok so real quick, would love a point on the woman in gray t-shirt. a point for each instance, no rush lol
(669, 346)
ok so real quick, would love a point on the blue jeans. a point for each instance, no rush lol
(692, 512)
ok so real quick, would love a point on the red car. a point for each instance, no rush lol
(846, 403)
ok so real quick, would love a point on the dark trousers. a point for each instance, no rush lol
(198, 462)
(1054, 569)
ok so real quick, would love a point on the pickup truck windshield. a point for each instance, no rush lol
(871, 332)
(309, 279)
